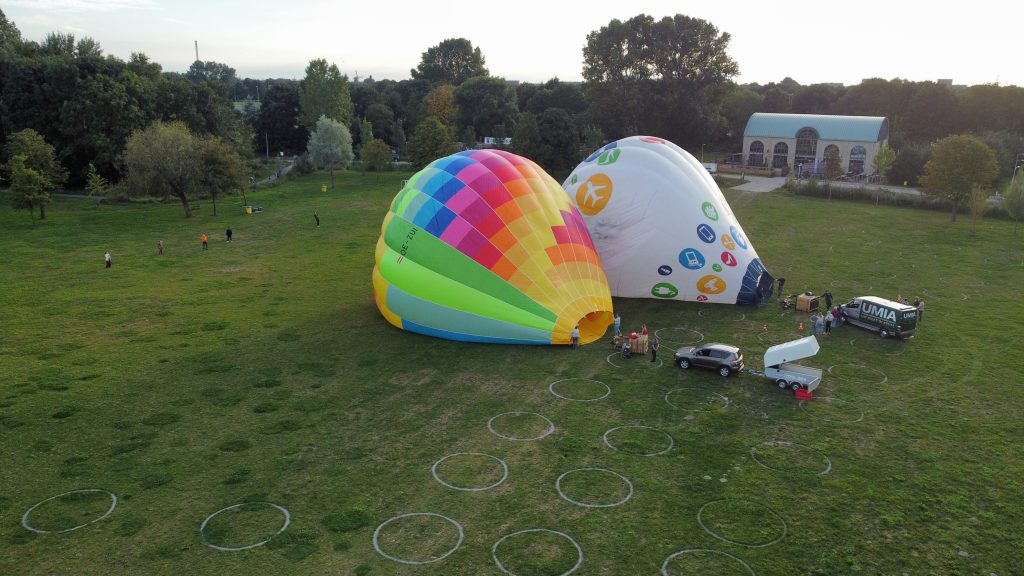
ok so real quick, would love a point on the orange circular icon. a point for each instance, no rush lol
(728, 242)
(593, 195)
(711, 284)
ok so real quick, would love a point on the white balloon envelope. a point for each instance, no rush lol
(662, 227)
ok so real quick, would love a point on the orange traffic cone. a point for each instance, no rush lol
(801, 328)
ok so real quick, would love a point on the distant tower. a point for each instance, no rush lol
(197, 50)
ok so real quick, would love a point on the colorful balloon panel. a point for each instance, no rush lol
(484, 246)
(662, 227)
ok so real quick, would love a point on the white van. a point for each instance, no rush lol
(886, 317)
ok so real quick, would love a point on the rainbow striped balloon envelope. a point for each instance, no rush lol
(484, 246)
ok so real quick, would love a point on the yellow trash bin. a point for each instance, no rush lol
(323, 188)
(248, 209)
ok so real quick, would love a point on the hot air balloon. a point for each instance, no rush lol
(484, 246)
(663, 228)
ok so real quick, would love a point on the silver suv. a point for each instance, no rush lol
(722, 358)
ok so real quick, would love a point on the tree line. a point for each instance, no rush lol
(672, 77)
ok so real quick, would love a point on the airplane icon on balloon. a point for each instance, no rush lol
(591, 196)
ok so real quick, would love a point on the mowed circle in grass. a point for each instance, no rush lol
(742, 522)
(876, 345)
(695, 399)
(594, 487)
(470, 471)
(639, 440)
(704, 561)
(858, 373)
(536, 552)
(679, 336)
(785, 456)
(829, 409)
(520, 426)
(580, 389)
(244, 526)
(418, 538)
(69, 511)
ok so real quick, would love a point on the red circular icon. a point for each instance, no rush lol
(651, 140)
(702, 298)
(728, 259)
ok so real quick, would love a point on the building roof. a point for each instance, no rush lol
(850, 128)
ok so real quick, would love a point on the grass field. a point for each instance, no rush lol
(260, 372)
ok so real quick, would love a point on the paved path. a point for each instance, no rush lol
(767, 184)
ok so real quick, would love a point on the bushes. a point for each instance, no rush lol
(819, 189)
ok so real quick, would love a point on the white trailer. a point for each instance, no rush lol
(779, 365)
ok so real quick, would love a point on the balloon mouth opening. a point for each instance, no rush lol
(594, 325)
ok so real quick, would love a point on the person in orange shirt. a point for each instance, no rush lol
(205, 245)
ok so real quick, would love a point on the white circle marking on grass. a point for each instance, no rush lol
(376, 536)
(547, 432)
(667, 401)
(579, 550)
(671, 441)
(658, 335)
(828, 461)
(742, 317)
(504, 469)
(644, 365)
(664, 565)
(558, 486)
(202, 527)
(885, 378)
(608, 390)
(785, 527)
(832, 399)
(29, 527)
(854, 341)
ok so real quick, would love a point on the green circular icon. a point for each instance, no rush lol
(709, 210)
(717, 267)
(574, 179)
(664, 290)
(608, 157)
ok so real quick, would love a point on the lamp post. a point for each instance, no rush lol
(702, 153)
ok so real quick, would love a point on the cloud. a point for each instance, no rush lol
(83, 5)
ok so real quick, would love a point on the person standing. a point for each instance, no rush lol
(828, 299)
(228, 234)
(106, 259)
(828, 323)
(617, 324)
(576, 338)
(819, 324)
(316, 216)
(782, 282)
(206, 246)
(159, 247)
(654, 349)
(920, 309)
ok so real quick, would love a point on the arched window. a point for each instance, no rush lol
(781, 155)
(806, 149)
(858, 155)
(756, 157)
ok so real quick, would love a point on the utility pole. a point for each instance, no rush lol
(197, 50)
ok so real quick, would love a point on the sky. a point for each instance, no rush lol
(532, 41)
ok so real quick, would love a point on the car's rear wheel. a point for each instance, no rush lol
(724, 371)
(782, 383)
(795, 385)
(883, 333)
(684, 363)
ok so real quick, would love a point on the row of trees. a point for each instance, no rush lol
(672, 77)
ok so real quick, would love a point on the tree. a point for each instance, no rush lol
(278, 120)
(376, 155)
(215, 73)
(453, 61)
(365, 134)
(737, 107)
(398, 137)
(909, 163)
(95, 183)
(440, 103)
(526, 138)
(219, 168)
(883, 161)
(330, 146)
(977, 202)
(431, 140)
(29, 188)
(833, 164)
(560, 141)
(381, 118)
(814, 99)
(161, 160)
(484, 102)
(958, 164)
(38, 156)
(469, 137)
(1013, 202)
(324, 92)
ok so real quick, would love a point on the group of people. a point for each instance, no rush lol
(823, 323)
(918, 303)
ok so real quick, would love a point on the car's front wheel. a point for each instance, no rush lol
(724, 371)
(684, 363)
(795, 385)
(883, 333)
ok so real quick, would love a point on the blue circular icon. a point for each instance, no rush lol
(740, 240)
(706, 233)
(664, 269)
(691, 259)
(600, 151)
